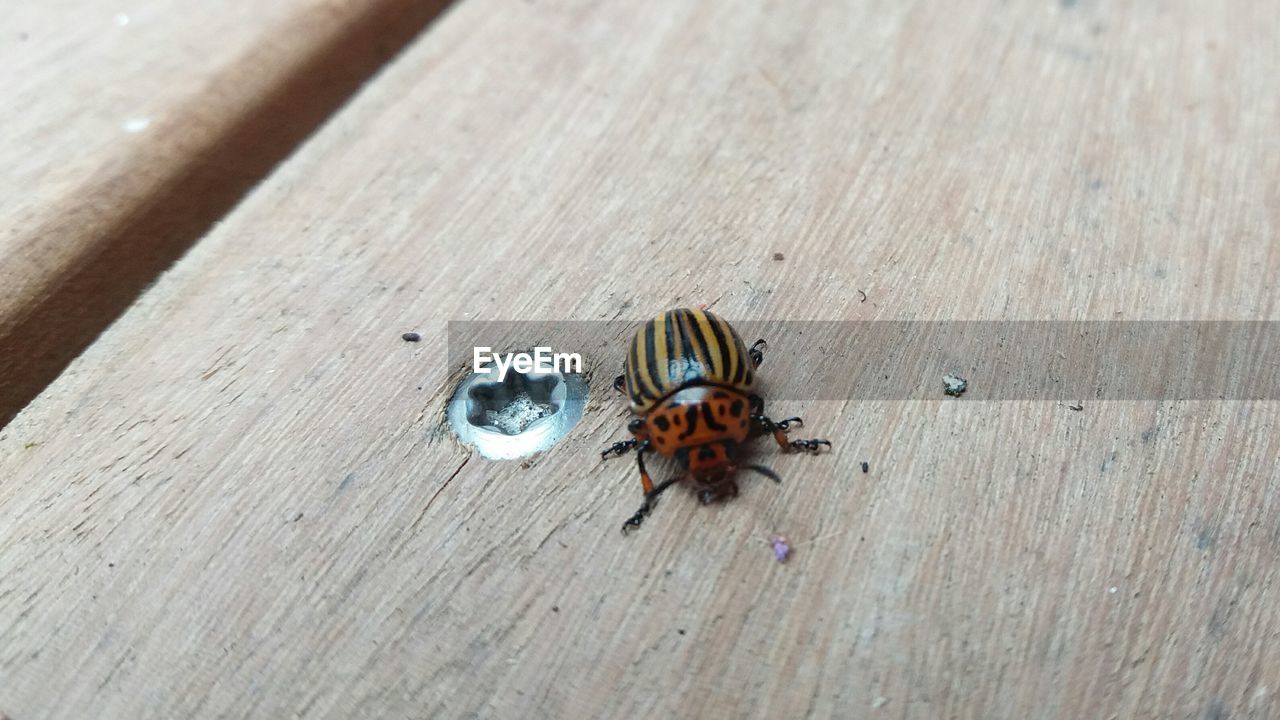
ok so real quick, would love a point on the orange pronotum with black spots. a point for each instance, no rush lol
(689, 377)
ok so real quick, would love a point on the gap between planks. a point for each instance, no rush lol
(75, 297)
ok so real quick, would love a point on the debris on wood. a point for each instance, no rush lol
(411, 337)
(864, 297)
(779, 256)
(781, 548)
(866, 467)
(1077, 407)
(954, 385)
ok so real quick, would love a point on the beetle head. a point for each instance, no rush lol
(714, 462)
(711, 463)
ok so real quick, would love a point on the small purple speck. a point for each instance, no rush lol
(781, 549)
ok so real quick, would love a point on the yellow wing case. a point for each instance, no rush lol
(684, 347)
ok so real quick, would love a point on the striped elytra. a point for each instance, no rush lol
(684, 347)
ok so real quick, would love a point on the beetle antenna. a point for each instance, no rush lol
(767, 472)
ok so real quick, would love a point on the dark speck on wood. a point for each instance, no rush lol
(411, 337)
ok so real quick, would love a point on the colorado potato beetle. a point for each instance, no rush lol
(689, 377)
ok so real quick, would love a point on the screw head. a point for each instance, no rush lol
(523, 414)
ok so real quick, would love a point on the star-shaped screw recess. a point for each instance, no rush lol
(512, 405)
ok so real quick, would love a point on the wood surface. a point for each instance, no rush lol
(240, 500)
(130, 130)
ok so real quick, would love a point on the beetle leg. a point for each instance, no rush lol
(763, 424)
(813, 446)
(756, 353)
(650, 502)
(646, 482)
(619, 384)
(622, 447)
(779, 431)
(757, 404)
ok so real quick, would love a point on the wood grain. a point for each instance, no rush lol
(128, 134)
(240, 500)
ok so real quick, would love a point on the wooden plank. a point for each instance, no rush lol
(240, 500)
(130, 130)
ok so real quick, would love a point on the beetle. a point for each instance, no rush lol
(689, 378)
